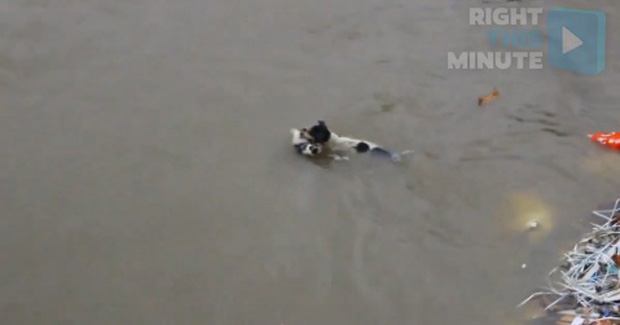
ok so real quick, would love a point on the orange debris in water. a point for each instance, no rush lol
(610, 140)
(482, 100)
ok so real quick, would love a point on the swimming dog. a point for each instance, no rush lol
(321, 134)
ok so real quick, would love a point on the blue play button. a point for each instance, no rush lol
(576, 40)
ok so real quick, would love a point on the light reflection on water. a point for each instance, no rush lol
(527, 207)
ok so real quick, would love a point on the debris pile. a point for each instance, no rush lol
(586, 285)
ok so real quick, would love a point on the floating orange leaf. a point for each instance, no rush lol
(482, 100)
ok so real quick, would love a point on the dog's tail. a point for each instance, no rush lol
(393, 156)
(397, 157)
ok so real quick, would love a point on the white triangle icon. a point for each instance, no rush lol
(569, 41)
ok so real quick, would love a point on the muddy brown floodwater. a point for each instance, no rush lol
(147, 177)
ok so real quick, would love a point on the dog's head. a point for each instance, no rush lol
(319, 132)
(311, 149)
(303, 144)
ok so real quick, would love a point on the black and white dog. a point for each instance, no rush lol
(320, 138)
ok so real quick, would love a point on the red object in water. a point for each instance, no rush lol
(610, 140)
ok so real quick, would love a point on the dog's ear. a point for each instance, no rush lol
(319, 133)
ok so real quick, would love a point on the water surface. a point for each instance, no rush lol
(147, 177)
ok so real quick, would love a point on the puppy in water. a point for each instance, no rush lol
(321, 134)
